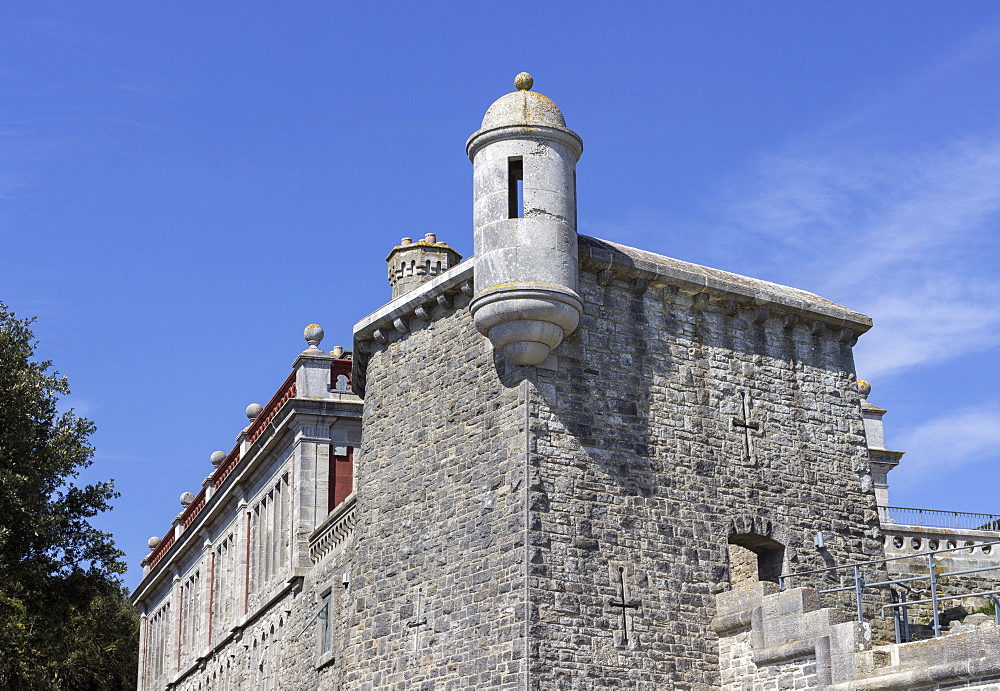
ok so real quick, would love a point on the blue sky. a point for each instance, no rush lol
(184, 186)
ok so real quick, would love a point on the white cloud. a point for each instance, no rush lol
(906, 238)
(929, 323)
(81, 406)
(893, 209)
(945, 444)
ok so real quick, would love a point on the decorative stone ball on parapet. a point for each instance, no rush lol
(414, 263)
(186, 499)
(313, 335)
(253, 410)
(217, 458)
(153, 543)
(524, 215)
(864, 388)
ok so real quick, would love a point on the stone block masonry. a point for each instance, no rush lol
(772, 640)
(637, 465)
(581, 466)
(438, 574)
(568, 526)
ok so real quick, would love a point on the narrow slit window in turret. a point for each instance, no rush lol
(515, 187)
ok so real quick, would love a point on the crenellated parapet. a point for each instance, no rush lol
(414, 263)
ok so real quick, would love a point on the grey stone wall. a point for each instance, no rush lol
(438, 569)
(637, 480)
(636, 464)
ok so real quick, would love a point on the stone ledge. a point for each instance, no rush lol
(922, 664)
(324, 659)
(405, 306)
(789, 626)
(722, 286)
(423, 304)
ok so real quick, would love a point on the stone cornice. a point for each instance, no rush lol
(885, 456)
(425, 303)
(730, 293)
(563, 135)
(629, 263)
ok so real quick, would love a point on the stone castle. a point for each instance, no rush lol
(562, 463)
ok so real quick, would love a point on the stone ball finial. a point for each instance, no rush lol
(523, 81)
(313, 335)
(217, 458)
(186, 499)
(864, 388)
(253, 410)
(153, 542)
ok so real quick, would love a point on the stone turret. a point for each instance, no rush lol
(412, 263)
(524, 188)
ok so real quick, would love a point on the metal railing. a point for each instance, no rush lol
(899, 598)
(931, 518)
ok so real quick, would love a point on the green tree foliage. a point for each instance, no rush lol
(65, 621)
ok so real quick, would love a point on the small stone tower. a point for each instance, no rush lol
(412, 263)
(524, 188)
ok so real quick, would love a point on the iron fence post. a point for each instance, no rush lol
(934, 602)
(894, 598)
(858, 588)
(906, 616)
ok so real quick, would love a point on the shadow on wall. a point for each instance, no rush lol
(754, 558)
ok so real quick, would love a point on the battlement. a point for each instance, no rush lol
(413, 263)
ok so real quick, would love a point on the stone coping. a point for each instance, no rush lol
(885, 455)
(598, 255)
(405, 305)
(613, 261)
(789, 625)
